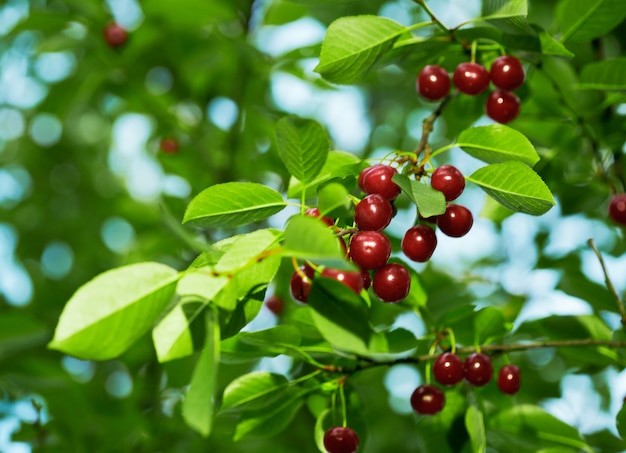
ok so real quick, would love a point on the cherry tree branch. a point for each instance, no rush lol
(609, 283)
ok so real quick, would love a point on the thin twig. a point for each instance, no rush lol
(434, 18)
(428, 126)
(609, 283)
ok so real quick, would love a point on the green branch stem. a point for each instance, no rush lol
(609, 283)
(428, 125)
(434, 18)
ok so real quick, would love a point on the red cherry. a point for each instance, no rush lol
(353, 280)
(392, 283)
(419, 243)
(509, 379)
(275, 304)
(370, 249)
(427, 399)
(502, 106)
(367, 279)
(378, 180)
(477, 369)
(433, 83)
(315, 212)
(364, 174)
(448, 180)
(114, 35)
(617, 208)
(471, 78)
(448, 369)
(168, 146)
(456, 221)
(341, 439)
(300, 283)
(507, 73)
(373, 213)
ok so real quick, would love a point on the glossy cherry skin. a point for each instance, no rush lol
(369, 249)
(509, 379)
(617, 208)
(315, 212)
(419, 243)
(114, 35)
(373, 213)
(168, 146)
(367, 279)
(378, 180)
(427, 399)
(433, 83)
(471, 78)
(477, 369)
(507, 73)
(448, 180)
(341, 439)
(300, 283)
(448, 369)
(363, 175)
(353, 280)
(275, 304)
(456, 221)
(502, 106)
(392, 283)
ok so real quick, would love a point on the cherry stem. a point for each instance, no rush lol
(473, 54)
(452, 339)
(434, 18)
(609, 283)
(428, 126)
(342, 397)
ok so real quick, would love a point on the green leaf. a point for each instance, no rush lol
(267, 422)
(340, 315)
(303, 146)
(621, 422)
(489, 322)
(429, 201)
(550, 46)
(199, 402)
(515, 186)
(282, 339)
(586, 20)
(19, 332)
(475, 424)
(609, 75)
(497, 143)
(108, 314)
(181, 332)
(352, 45)
(246, 249)
(308, 238)
(323, 422)
(502, 9)
(333, 200)
(250, 387)
(233, 204)
(339, 164)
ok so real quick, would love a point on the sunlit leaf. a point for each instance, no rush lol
(497, 143)
(303, 146)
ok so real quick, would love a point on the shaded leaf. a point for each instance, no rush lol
(339, 164)
(621, 422)
(609, 75)
(333, 200)
(585, 20)
(475, 424)
(282, 339)
(303, 146)
(429, 201)
(251, 386)
(308, 238)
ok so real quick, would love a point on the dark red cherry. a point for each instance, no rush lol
(448, 180)
(367, 279)
(373, 213)
(300, 283)
(448, 369)
(456, 221)
(168, 146)
(341, 439)
(419, 243)
(115, 35)
(352, 279)
(315, 212)
(433, 83)
(617, 208)
(477, 369)
(509, 379)
(392, 283)
(427, 399)
(502, 106)
(369, 249)
(363, 175)
(471, 78)
(378, 180)
(275, 304)
(507, 73)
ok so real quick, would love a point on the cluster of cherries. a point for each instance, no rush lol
(506, 73)
(449, 370)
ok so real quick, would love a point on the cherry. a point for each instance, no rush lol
(373, 213)
(168, 146)
(477, 369)
(315, 212)
(427, 399)
(364, 174)
(507, 73)
(300, 283)
(341, 439)
(275, 304)
(502, 106)
(353, 280)
(471, 78)
(370, 249)
(392, 283)
(448, 180)
(419, 243)
(378, 180)
(617, 208)
(114, 35)
(509, 379)
(448, 369)
(367, 279)
(456, 221)
(433, 82)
